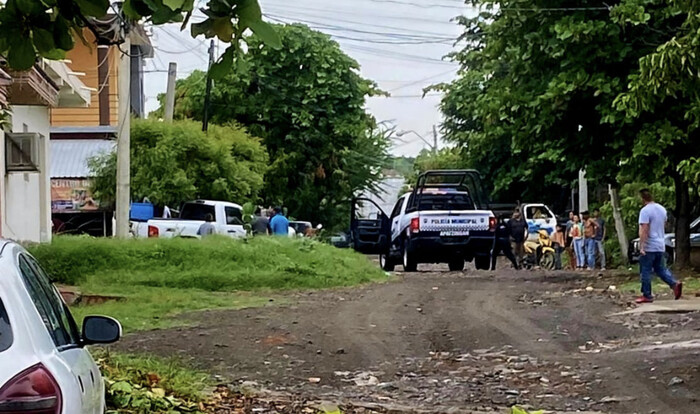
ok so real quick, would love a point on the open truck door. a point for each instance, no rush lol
(370, 227)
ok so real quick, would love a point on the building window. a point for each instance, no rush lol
(22, 151)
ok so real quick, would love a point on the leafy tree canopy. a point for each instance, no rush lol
(172, 163)
(549, 87)
(306, 100)
(45, 28)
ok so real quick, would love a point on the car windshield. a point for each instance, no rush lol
(538, 212)
(196, 211)
(5, 329)
(445, 201)
(695, 226)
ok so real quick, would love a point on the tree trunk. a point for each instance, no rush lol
(619, 224)
(683, 209)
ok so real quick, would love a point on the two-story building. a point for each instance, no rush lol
(27, 99)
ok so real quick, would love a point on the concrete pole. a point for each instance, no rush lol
(124, 142)
(170, 93)
(582, 191)
(435, 139)
(619, 224)
(207, 94)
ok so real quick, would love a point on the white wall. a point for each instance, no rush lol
(23, 208)
(3, 203)
(28, 194)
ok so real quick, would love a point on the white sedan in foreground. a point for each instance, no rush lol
(45, 367)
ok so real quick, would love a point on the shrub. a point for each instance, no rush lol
(212, 264)
(176, 162)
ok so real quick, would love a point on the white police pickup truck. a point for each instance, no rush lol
(445, 219)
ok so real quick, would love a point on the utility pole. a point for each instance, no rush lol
(435, 139)
(582, 191)
(170, 93)
(124, 139)
(207, 96)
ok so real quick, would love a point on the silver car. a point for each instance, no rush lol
(633, 252)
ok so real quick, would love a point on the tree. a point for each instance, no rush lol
(444, 159)
(306, 100)
(31, 28)
(402, 166)
(173, 163)
(548, 87)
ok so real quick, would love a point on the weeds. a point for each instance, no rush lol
(137, 384)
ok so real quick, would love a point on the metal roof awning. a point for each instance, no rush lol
(69, 157)
(72, 91)
(84, 132)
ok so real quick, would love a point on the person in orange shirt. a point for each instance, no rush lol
(559, 242)
(576, 234)
(590, 229)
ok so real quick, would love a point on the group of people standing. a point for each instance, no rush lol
(267, 221)
(584, 239)
(270, 221)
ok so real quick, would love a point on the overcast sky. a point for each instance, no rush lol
(400, 44)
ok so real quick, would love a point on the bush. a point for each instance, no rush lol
(212, 264)
(175, 162)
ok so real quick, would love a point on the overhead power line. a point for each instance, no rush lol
(552, 9)
(422, 5)
(413, 96)
(407, 38)
(422, 80)
(346, 12)
(413, 30)
(394, 55)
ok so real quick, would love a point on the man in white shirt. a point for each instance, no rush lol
(652, 220)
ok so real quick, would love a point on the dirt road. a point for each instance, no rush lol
(446, 342)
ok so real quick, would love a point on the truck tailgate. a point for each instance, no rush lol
(454, 223)
(177, 228)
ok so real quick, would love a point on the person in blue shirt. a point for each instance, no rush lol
(652, 245)
(279, 225)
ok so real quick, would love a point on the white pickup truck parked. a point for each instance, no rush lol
(228, 220)
(445, 219)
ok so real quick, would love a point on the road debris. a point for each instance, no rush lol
(675, 381)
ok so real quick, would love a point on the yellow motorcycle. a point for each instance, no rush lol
(540, 252)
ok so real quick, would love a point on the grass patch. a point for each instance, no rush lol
(163, 278)
(159, 308)
(690, 278)
(144, 384)
(214, 264)
(691, 286)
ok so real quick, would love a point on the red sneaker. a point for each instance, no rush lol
(644, 299)
(678, 290)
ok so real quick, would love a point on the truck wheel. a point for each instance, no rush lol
(409, 263)
(386, 262)
(456, 264)
(482, 262)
